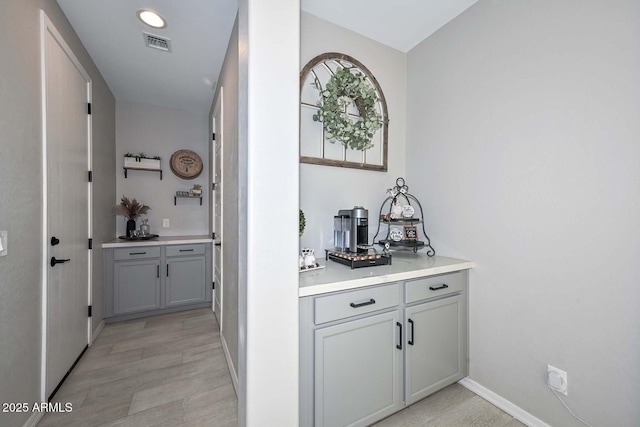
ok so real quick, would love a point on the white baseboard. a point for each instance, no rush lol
(95, 333)
(34, 419)
(232, 369)
(502, 403)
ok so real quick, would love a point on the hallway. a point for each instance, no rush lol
(167, 370)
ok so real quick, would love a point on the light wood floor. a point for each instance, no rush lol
(170, 371)
(166, 370)
(453, 406)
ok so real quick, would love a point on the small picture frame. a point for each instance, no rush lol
(410, 232)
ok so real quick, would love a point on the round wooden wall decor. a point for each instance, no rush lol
(186, 164)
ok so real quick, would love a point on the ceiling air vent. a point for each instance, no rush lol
(156, 42)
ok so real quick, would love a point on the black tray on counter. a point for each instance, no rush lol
(149, 237)
(358, 260)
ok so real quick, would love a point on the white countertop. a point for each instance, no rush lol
(404, 266)
(158, 241)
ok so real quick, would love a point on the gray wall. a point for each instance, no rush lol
(21, 191)
(104, 183)
(242, 25)
(230, 163)
(523, 129)
(326, 189)
(158, 131)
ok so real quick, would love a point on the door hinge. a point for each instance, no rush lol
(213, 285)
(89, 108)
(213, 235)
(213, 185)
(90, 243)
(89, 310)
(90, 176)
(213, 136)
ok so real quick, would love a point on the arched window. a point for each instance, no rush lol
(315, 147)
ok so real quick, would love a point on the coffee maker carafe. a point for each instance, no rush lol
(351, 229)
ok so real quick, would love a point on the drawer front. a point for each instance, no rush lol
(431, 287)
(181, 250)
(348, 304)
(139, 252)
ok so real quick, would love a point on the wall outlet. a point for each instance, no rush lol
(3, 243)
(165, 223)
(557, 379)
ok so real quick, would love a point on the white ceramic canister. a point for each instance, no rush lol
(309, 257)
(396, 211)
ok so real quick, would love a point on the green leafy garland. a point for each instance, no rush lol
(302, 222)
(342, 89)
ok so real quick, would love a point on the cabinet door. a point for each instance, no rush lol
(358, 371)
(435, 346)
(185, 280)
(136, 286)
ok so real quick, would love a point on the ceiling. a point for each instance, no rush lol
(401, 24)
(199, 31)
(183, 79)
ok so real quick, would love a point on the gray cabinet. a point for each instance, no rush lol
(435, 344)
(369, 352)
(358, 371)
(436, 318)
(146, 280)
(185, 276)
(136, 286)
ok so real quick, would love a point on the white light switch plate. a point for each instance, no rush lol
(3, 243)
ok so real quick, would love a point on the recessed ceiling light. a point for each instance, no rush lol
(151, 18)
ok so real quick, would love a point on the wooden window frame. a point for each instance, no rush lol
(383, 103)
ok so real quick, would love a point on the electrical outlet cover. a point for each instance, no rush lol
(557, 379)
(3, 243)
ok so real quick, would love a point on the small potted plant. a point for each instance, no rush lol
(141, 161)
(132, 210)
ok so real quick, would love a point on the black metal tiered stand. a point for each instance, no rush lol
(410, 224)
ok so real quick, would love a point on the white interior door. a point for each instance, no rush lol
(218, 188)
(67, 141)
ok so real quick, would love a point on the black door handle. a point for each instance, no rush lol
(54, 241)
(399, 346)
(410, 341)
(217, 244)
(55, 261)
(437, 288)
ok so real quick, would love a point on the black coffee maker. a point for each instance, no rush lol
(351, 230)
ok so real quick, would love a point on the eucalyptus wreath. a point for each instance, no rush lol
(342, 89)
(302, 222)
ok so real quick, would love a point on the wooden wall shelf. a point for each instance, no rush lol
(175, 199)
(142, 169)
